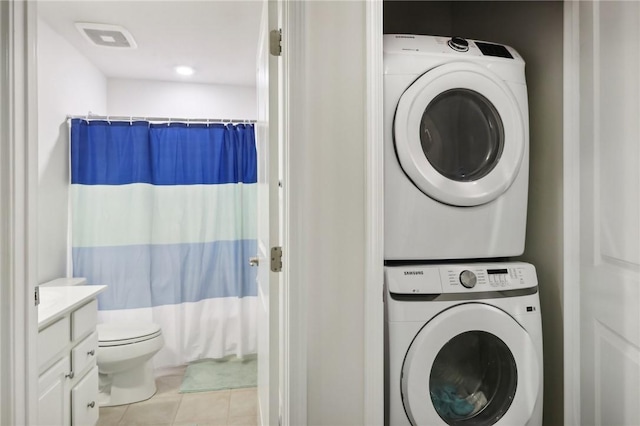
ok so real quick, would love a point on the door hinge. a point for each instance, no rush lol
(275, 42)
(276, 259)
(36, 295)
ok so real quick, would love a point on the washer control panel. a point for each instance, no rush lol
(489, 278)
(460, 278)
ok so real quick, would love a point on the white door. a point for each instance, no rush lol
(267, 140)
(609, 143)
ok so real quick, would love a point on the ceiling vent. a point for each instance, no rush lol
(105, 35)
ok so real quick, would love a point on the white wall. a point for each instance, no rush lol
(145, 98)
(67, 84)
(418, 17)
(331, 232)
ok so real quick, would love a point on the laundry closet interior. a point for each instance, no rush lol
(535, 30)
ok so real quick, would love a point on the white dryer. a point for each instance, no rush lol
(463, 345)
(456, 156)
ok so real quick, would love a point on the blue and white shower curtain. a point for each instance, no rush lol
(165, 216)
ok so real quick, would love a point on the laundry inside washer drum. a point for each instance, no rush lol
(473, 379)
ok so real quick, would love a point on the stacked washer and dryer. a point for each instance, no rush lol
(462, 322)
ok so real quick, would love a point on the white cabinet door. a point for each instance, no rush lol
(53, 395)
(84, 400)
(609, 213)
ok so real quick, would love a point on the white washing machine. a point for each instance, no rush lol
(463, 345)
(456, 156)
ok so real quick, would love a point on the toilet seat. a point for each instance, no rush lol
(125, 333)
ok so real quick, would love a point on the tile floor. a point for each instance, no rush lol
(168, 407)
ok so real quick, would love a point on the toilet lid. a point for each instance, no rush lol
(123, 333)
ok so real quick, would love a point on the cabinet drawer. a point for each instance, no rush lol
(84, 320)
(51, 341)
(84, 400)
(85, 353)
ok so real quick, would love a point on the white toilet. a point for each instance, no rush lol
(125, 350)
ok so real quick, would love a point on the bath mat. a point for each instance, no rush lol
(210, 375)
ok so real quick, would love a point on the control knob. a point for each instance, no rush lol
(468, 279)
(458, 44)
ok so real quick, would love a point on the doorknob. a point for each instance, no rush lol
(254, 261)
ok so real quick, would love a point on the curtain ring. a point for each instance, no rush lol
(108, 121)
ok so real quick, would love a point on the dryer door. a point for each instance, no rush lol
(472, 364)
(459, 134)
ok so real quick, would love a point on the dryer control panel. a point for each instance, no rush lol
(460, 278)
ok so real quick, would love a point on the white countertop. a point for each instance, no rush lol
(55, 302)
(59, 282)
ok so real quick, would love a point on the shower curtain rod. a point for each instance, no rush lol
(132, 118)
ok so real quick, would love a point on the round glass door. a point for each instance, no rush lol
(459, 134)
(462, 135)
(473, 379)
(470, 365)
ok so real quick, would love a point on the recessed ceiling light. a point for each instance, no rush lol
(184, 70)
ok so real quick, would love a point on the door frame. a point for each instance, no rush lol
(374, 220)
(571, 212)
(18, 213)
(294, 294)
(293, 335)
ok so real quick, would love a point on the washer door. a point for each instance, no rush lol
(459, 134)
(472, 364)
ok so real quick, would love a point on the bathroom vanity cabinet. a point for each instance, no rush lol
(67, 353)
